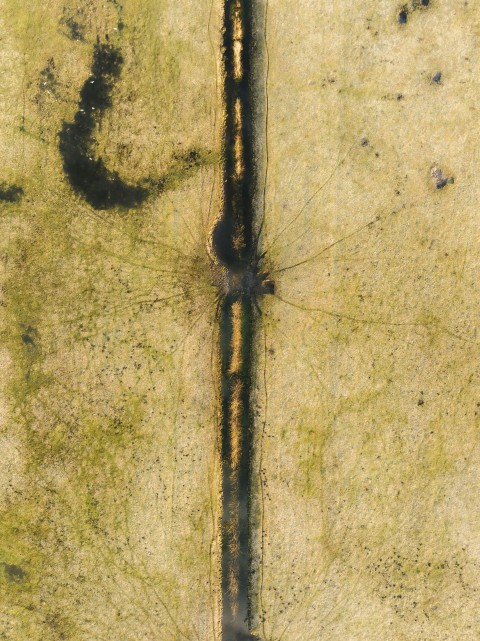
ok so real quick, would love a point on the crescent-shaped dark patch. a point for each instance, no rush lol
(87, 174)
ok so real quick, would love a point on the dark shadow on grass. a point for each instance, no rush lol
(87, 173)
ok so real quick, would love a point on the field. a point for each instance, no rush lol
(365, 380)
